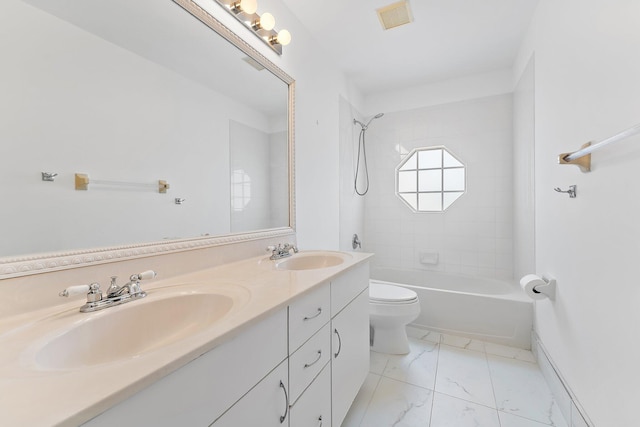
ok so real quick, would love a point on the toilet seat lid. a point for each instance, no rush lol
(390, 293)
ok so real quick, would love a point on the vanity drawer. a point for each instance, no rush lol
(347, 286)
(308, 361)
(307, 315)
(313, 409)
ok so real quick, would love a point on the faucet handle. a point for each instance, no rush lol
(145, 275)
(288, 247)
(74, 290)
(92, 289)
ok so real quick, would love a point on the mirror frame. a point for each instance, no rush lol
(54, 261)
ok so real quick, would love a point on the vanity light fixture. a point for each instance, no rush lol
(263, 26)
(282, 38)
(266, 22)
(246, 6)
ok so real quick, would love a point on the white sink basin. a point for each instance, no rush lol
(128, 331)
(312, 260)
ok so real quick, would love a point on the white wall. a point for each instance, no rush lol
(523, 173)
(496, 82)
(319, 86)
(473, 236)
(279, 179)
(587, 88)
(351, 204)
(250, 168)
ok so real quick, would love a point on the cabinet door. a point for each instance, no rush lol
(313, 409)
(266, 405)
(347, 286)
(202, 390)
(350, 355)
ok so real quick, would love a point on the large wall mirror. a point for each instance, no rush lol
(127, 96)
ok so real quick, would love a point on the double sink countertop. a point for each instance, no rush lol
(62, 367)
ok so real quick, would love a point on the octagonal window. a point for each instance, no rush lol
(430, 179)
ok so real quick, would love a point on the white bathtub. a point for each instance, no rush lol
(486, 309)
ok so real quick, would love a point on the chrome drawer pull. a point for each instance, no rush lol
(307, 365)
(314, 316)
(286, 408)
(335, 355)
(320, 419)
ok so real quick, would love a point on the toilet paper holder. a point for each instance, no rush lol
(548, 289)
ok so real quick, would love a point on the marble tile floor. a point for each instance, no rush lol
(449, 381)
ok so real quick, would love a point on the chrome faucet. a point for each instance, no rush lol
(281, 250)
(115, 295)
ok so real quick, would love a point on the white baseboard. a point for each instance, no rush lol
(571, 409)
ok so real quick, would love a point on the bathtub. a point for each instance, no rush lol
(485, 309)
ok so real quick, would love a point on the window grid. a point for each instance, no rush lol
(442, 170)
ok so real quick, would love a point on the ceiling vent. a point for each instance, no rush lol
(395, 14)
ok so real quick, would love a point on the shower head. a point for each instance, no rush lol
(363, 126)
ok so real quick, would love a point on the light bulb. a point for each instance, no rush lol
(249, 6)
(246, 6)
(267, 21)
(284, 37)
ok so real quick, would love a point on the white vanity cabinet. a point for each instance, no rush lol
(266, 405)
(350, 339)
(301, 366)
(201, 391)
(309, 357)
(323, 392)
(313, 408)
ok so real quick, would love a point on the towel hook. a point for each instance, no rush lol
(49, 176)
(571, 191)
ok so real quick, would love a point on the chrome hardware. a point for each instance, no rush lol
(571, 191)
(113, 287)
(94, 294)
(281, 251)
(49, 176)
(355, 242)
(335, 355)
(314, 316)
(286, 408)
(320, 419)
(115, 295)
(308, 365)
(179, 200)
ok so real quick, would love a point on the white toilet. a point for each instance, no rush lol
(391, 309)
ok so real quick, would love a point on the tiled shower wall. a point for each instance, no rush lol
(475, 235)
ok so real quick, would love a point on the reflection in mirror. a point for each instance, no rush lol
(430, 179)
(258, 178)
(128, 93)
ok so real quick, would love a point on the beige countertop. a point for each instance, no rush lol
(35, 394)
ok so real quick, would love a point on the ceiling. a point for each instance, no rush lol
(447, 39)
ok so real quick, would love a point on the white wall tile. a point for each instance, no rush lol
(464, 235)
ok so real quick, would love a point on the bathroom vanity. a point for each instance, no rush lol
(290, 349)
(220, 338)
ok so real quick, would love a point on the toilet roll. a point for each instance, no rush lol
(530, 281)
